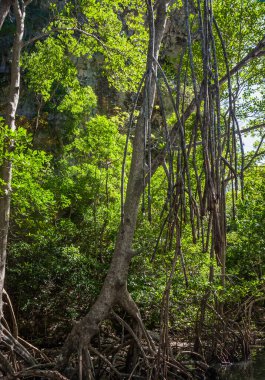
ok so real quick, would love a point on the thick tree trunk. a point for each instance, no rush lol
(6, 168)
(114, 290)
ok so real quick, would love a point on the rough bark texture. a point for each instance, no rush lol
(114, 289)
(6, 168)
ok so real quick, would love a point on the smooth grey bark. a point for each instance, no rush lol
(6, 168)
(114, 290)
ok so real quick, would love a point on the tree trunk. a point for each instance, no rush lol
(114, 290)
(6, 168)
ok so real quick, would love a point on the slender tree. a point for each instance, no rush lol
(19, 9)
(114, 290)
(4, 10)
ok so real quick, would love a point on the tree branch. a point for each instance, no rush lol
(4, 10)
(54, 30)
(242, 132)
(258, 51)
(256, 154)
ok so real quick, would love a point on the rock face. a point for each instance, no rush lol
(175, 35)
(37, 17)
(89, 71)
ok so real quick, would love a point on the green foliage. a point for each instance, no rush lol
(65, 214)
(78, 101)
(246, 239)
(66, 206)
(113, 33)
(48, 67)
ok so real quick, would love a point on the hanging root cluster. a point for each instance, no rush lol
(202, 155)
(123, 349)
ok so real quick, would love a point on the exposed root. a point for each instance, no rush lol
(16, 356)
(5, 365)
(137, 341)
(29, 346)
(13, 345)
(95, 351)
(152, 354)
(151, 359)
(12, 313)
(134, 369)
(31, 373)
(232, 341)
(132, 309)
(251, 304)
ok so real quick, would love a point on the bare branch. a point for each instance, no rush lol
(55, 30)
(258, 51)
(18, 10)
(242, 132)
(252, 128)
(256, 154)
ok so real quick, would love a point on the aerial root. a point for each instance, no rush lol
(134, 354)
(111, 366)
(14, 346)
(151, 352)
(31, 373)
(114, 355)
(34, 371)
(132, 309)
(20, 359)
(12, 313)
